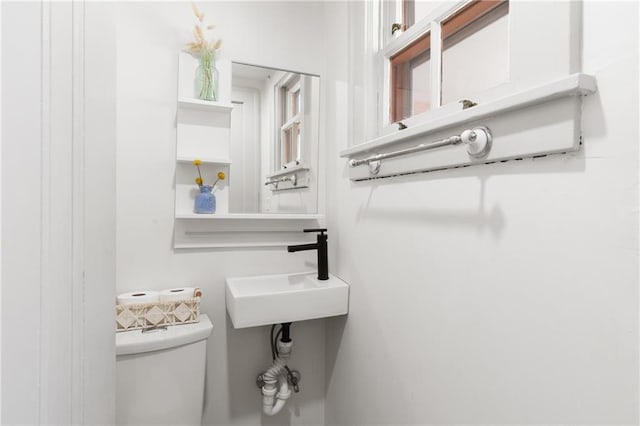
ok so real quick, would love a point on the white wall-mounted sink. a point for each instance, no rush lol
(275, 299)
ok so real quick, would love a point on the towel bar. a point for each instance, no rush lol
(477, 141)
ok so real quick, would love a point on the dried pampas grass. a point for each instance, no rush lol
(200, 45)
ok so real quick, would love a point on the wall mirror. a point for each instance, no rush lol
(274, 141)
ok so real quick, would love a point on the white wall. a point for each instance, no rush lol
(149, 36)
(59, 235)
(500, 294)
(21, 221)
(96, 161)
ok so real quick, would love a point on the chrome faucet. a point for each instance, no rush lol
(321, 246)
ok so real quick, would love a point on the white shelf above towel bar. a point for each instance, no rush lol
(537, 122)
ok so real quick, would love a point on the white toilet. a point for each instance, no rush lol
(160, 375)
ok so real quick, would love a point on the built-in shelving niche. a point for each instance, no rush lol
(203, 131)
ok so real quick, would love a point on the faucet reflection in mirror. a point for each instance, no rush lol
(274, 149)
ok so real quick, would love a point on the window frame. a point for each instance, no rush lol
(469, 13)
(394, 44)
(545, 85)
(532, 61)
(288, 84)
(390, 46)
(397, 96)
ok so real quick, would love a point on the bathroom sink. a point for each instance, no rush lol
(275, 299)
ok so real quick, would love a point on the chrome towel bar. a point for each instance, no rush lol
(477, 141)
(289, 178)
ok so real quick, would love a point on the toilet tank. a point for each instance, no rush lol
(160, 375)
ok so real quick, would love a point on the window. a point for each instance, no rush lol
(518, 62)
(414, 11)
(410, 79)
(446, 57)
(288, 121)
(475, 50)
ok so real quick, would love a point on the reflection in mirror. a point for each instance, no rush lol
(274, 141)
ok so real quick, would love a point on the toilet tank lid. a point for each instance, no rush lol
(135, 341)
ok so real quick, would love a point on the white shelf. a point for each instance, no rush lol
(288, 171)
(253, 216)
(244, 229)
(573, 85)
(189, 159)
(205, 105)
(542, 121)
(228, 245)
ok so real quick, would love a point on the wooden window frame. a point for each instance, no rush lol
(458, 20)
(469, 14)
(408, 14)
(431, 40)
(554, 54)
(398, 81)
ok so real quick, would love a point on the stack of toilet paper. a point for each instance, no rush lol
(145, 309)
(164, 296)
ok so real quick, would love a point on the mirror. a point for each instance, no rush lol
(274, 140)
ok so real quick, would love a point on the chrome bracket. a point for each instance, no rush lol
(374, 167)
(478, 141)
(466, 103)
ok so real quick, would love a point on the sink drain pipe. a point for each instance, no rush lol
(275, 390)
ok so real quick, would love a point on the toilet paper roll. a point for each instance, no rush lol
(144, 296)
(180, 293)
